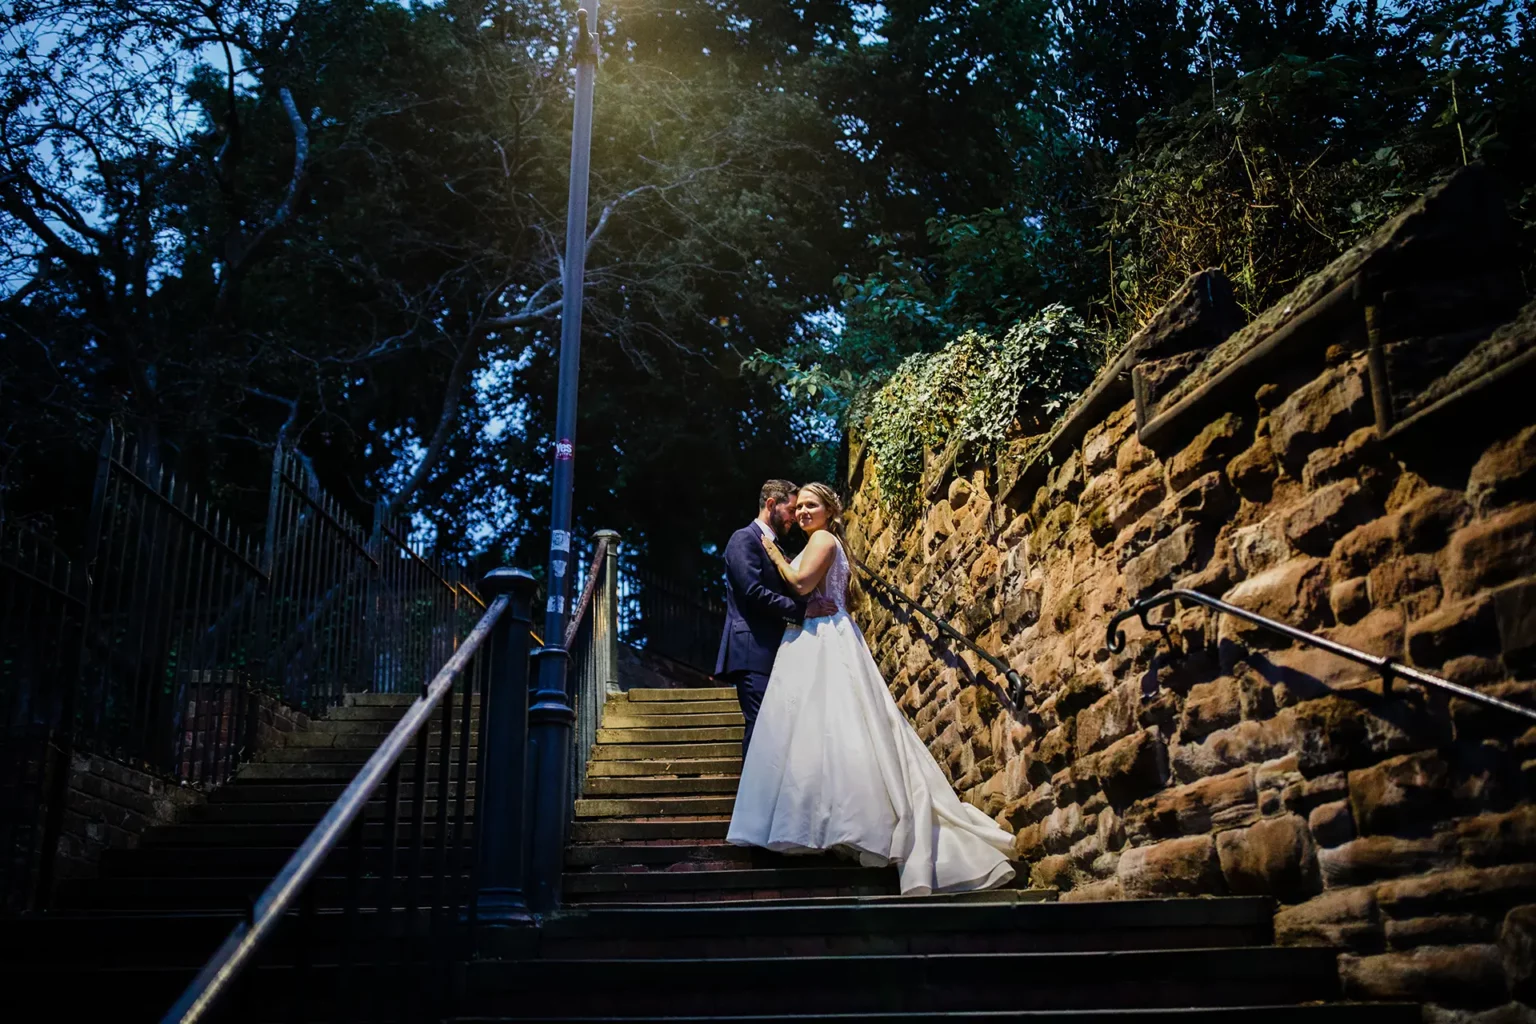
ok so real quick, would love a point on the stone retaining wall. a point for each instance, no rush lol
(1307, 467)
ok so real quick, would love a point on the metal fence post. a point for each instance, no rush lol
(606, 624)
(549, 733)
(500, 812)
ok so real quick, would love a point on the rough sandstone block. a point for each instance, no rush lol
(1517, 944)
(1253, 471)
(1211, 449)
(1260, 547)
(1341, 917)
(1441, 930)
(1350, 599)
(1372, 858)
(1314, 524)
(1133, 767)
(1367, 546)
(1295, 592)
(1399, 792)
(1341, 462)
(1514, 612)
(1221, 801)
(1178, 867)
(1506, 472)
(1211, 706)
(1499, 838)
(1332, 824)
(1463, 976)
(1492, 551)
(1459, 890)
(1457, 628)
(1320, 413)
(1272, 857)
(1137, 495)
(1108, 719)
(1157, 565)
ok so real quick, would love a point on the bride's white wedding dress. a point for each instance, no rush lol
(835, 765)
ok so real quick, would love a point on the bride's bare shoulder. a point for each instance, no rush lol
(820, 541)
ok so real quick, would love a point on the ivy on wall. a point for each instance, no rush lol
(980, 390)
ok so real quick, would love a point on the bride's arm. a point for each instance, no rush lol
(814, 562)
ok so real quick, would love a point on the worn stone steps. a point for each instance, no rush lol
(299, 792)
(619, 830)
(660, 785)
(667, 767)
(657, 807)
(306, 813)
(609, 749)
(653, 708)
(339, 769)
(642, 696)
(712, 720)
(1119, 979)
(353, 754)
(1332, 1013)
(685, 854)
(608, 883)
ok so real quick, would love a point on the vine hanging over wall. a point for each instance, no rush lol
(980, 389)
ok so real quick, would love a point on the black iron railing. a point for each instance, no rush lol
(592, 638)
(666, 616)
(159, 646)
(1388, 669)
(1016, 692)
(414, 889)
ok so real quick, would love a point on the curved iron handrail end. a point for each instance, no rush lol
(268, 909)
(1016, 692)
(1387, 668)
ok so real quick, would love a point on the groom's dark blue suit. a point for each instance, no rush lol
(758, 605)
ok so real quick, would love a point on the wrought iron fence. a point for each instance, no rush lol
(42, 611)
(157, 649)
(593, 642)
(666, 616)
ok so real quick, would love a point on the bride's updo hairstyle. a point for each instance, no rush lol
(834, 506)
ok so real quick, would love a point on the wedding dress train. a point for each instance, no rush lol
(834, 765)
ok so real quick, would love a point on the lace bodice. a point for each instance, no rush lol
(834, 585)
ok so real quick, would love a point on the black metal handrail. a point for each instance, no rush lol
(268, 910)
(1016, 691)
(1386, 667)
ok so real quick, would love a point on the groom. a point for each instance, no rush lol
(758, 603)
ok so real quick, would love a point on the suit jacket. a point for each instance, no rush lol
(758, 605)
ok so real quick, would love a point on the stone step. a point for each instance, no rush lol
(693, 694)
(348, 754)
(247, 792)
(1152, 979)
(1003, 921)
(686, 855)
(666, 767)
(381, 727)
(268, 834)
(606, 736)
(663, 708)
(619, 830)
(665, 751)
(334, 769)
(1333, 1013)
(213, 893)
(387, 712)
(308, 813)
(642, 786)
(716, 719)
(387, 700)
(260, 862)
(836, 876)
(660, 807)
(347, 738)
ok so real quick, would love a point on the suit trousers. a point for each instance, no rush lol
(750, 685)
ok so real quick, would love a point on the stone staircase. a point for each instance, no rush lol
(123, 945)
(651, 821)
(663, 919)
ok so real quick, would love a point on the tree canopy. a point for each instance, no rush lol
(338, 224)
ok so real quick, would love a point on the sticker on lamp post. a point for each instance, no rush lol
(565, 451)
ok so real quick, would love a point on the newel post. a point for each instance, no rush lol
(500, 797)
(605, 630)
(550, 720)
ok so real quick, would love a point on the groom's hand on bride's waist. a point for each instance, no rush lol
(819, 607)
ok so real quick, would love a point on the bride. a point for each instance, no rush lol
(833, 764)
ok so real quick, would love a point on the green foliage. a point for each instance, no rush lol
(978, 391)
